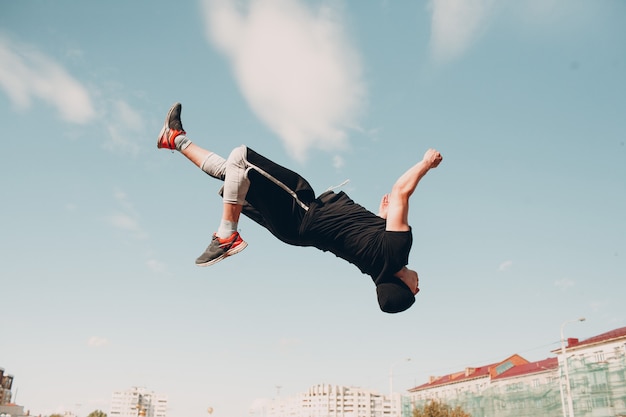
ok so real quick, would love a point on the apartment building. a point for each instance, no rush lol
(138, 402)
(516, 387)
(325, 400)
(6, 381)
(7, 408)
(597, 374)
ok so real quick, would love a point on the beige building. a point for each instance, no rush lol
(325, 400)
(516, 387)
(138, 402)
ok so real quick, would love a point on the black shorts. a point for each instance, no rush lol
(277, 199)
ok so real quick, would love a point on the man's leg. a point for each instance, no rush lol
(236, 184)
(174, 137)
(226, 241)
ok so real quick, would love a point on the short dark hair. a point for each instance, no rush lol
(394, 296)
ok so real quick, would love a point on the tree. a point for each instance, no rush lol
(438, 409)
(97, 413)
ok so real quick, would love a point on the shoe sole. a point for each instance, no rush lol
(230, 252)
(165, 127)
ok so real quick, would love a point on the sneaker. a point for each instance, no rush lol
(171, 128)
(221, 248)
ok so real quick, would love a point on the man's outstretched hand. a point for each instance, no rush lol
(432, 158)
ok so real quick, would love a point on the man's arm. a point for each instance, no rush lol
(398, 201)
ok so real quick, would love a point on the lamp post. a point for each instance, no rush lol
(570, 404)
(391, 400)
(391, 374)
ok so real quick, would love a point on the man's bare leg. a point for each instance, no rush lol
(200, 156)
(196, 154)
(226, 241)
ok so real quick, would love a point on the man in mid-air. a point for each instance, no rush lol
(285, 204)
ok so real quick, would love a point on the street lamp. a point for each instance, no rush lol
(391, 402)
(391, 374)
(570, 404)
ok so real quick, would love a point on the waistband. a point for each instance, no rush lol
(326, 196)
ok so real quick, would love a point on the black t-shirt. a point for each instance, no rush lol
(336, 224)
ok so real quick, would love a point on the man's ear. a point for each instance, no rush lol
(384, 205)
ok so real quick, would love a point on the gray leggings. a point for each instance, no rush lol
(233, 171)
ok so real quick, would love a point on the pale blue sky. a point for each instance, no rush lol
(522, 227)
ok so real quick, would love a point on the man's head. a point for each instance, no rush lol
(398, 292)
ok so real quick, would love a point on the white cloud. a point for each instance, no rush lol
(96, 342)
(455, 25)
(294, 66)
(126, 218)
(124, 221)
(505, 265)
(122, 198)
(564, 283)
(27, 74)
(155, 265)
(125, 125)
(338, 162)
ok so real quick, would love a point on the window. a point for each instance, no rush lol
(599, 402)
(599, 382)
(599, 356)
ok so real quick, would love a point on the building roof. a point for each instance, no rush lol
(468, 374)
(529, 368)
(515, 365)
(486, 371)
(604, 337)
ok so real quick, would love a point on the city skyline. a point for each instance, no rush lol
(125, 403)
